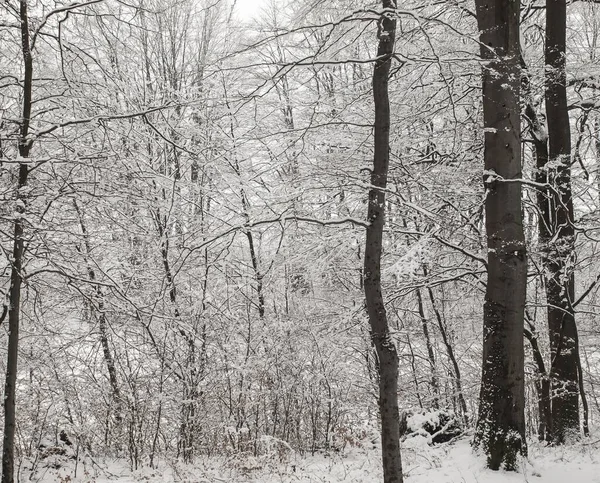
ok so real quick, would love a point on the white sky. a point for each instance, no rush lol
(248, 9)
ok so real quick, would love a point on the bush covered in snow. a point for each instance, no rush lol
(438, 426)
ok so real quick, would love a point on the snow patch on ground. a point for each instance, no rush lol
(452, 462)
(456, 463)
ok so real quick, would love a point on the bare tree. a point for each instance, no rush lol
(380, 331)
(16, 277)
(558, 234)
(501, 425)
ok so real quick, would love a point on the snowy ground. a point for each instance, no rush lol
(446, 463)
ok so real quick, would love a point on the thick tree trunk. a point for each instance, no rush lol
(558, 252)
(500, 428)
(380, 332)
(10, 387)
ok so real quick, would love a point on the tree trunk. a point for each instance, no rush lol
(542, 387)
(380, 332)
(413, 366)
(187, 428)
(500, 430)
(258, 275)
(584, 402)
(99, 309)
(10, 387)
(597, 146)
(451, 356)
(540, 144)
(558, 253)
(435, 388)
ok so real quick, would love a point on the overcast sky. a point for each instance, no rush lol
(249, 8)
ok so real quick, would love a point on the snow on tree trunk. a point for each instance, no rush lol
(559, 250)
(500, 428)
(16, 277)
(380, 333)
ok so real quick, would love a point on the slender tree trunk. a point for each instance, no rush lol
(258, 275)
(542, 386)
(558, 253)
(413, 366)
(500, 430)
(540, 144)
(380, 331)
(435, 387)
(584, 402)
(597, 170)
(10, 387)
(187, 429)
(102, 321)
(552, 205)
(451, 356)
(161, 385)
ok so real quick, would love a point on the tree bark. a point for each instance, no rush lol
(16, 277)
(559, 249)
(540, 144)
(380, 332)
(500, 430)
(435, 388)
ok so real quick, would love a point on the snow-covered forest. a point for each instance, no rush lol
(330, 240)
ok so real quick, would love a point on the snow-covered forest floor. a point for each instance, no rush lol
(452, 462)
